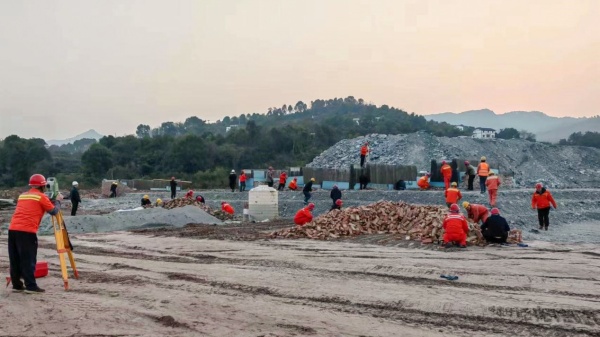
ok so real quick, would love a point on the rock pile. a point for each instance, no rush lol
(415, 222)
(528, 162)
(182, 202)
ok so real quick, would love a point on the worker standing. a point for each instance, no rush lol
(423, 182)
(456, 228)
(476, 212)
(483, 170)
(452, 194)
(307, 189)
(364, 151)
(232, 180)
(113, 189)
(173, 188)
(304, 215)
(282, 180)
(75, 198)
(336, 194)
(492, 183)
(495, 229)
(470, 174)
(242, 181)
(270, 174)
(542, 200)
(446, 171)
(293, 184)
(22, 234)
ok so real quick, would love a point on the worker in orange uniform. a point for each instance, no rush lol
(476, 212)
(337, 205)
(189, 194)
(492, 183)
(282, 180)
(304, 215)
(364, 151)
(542, 199)
(423, 182)
(453, 195)
(456, 228)
(293, 184)
(483, 170)
(227, 208)
(22, 234)
(242, 181)
(446, 171)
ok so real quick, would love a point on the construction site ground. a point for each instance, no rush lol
(231, 280)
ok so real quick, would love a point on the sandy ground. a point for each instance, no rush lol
(141, 284)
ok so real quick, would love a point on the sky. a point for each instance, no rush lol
(70, 66)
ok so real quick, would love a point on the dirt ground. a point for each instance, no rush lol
(231, 281)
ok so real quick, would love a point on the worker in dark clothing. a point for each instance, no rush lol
(113, 189)
(75, 198)
(200, 199)
(495, 229)
(470, 175)
(232, 180)
(173, 188)
(335, 194)
(307, 189)
(400, 185)
(146, 201)
(363, 181)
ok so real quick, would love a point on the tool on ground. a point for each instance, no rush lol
(449, 277)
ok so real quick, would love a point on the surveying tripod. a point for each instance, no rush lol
(63, 244)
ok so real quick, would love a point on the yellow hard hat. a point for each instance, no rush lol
(454, 184)
(483, 158)
(492, 173)
(312, 179)
(146, 196)
(159, 200)
(465, 204)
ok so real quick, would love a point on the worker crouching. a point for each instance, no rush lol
(478, 213)
(304, 215)
(456, 228)
(146, 201)
(423, 182)
(337, 205)
(495, 229)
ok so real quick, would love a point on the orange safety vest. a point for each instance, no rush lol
(293, 185)
(364, 150)
(483, 170)
(227, 209)
(453, 195)
(31, 207)
(446, 170)
(243, 178)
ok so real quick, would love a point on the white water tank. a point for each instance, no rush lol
(263, 203)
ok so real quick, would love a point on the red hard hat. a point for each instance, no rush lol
(172, 178)
(37, 180)
(454, 208)
(443, 162)
(311, 206)
(538, 186)
(466, 162)
(223, 202)
(339, 202)
(495, 211)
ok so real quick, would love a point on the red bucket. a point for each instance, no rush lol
(41, 269)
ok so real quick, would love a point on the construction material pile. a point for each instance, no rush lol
(182, 202)
(414, 222)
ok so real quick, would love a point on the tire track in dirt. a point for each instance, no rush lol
(534, 323)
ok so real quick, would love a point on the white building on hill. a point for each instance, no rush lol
(484, 133)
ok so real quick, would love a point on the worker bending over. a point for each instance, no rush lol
(423, 182)
(495, 229)
(456, 228)
(304, 215)
(293, 186)
(476, 212)
(337, 205)
(146, 201)
(227, 208)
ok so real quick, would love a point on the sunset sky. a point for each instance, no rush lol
(70, 66)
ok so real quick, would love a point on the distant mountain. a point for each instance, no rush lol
(91, 134)
(546, 128)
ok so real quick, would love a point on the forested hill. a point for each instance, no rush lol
(205, 152)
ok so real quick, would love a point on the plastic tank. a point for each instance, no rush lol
(263, 203)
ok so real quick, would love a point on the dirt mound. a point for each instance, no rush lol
(182, 202)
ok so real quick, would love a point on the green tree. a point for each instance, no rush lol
(508, 133)
(143, 131)
(96, 161)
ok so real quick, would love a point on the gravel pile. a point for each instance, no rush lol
(137, 218)
(530, 162)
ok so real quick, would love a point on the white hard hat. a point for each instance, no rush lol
(75, 183)
(232, 171)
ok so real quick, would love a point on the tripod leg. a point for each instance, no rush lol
(73, 266)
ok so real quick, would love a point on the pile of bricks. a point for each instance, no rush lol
(182, 202)
(413, 222)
